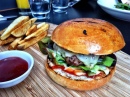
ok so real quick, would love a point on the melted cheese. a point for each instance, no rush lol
(88, 60)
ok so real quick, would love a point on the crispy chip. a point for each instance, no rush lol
(16, 23)
(32, 41)
(6, 41)
(39, 31)
(22, 33)
(31, 30)
(21, 30)
(14, 44)
(2, 31)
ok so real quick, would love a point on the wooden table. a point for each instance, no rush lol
(38, 84)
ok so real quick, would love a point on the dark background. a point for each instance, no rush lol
(7, 4)
(83, 9)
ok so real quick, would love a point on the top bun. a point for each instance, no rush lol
(88, 36)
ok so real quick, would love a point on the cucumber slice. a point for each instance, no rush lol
(46, 39)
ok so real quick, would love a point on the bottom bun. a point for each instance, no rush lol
(78, 84)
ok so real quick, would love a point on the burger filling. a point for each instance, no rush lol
(76, 66)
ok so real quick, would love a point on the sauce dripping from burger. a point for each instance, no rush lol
(12, 67)
(74, 72)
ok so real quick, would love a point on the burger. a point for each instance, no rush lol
(80, 53)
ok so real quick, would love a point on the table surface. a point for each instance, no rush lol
(38, 83)
(83, 9)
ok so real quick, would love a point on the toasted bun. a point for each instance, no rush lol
(16, 23)
(76, 84)
(88, 36)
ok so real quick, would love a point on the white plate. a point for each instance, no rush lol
(109, 7)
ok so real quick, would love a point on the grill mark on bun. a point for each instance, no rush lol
(104, 30)
(84, 32)
(78, 21)
(92, 22)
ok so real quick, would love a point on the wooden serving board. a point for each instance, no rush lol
(38, 84)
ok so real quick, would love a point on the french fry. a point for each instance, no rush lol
(14, 44)
(31, 30)
(40, 25)
(22, 33)
(2, 31)
(6, 41)
(22, 41)
(37, 32)
(21, 30)
(31, 41)
(16, 23)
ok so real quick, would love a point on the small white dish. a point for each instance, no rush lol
(109, 7)
(22, 54)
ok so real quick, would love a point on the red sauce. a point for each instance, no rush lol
(12, 67)
(63, 68)
(70, 71)
(58, 66)
(95, 76)
(73, 72)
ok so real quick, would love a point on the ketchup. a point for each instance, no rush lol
(73, 71)
(63, 68)
(12, 67)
